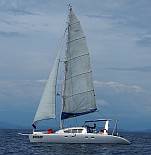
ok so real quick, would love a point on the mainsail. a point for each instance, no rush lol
(46, 108)
(78, 95)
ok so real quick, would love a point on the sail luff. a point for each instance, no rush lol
(79, 96)
(47, 107)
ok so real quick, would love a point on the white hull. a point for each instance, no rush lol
(77, 138)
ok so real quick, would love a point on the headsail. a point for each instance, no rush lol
(78, 95)
(46, 108)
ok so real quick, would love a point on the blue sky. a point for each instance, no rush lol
(119, 38)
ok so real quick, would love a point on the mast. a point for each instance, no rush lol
(65, 68)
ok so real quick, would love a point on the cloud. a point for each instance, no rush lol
(106, 16)
(11, 34)
(119, 87)
(144, 40)
(25, 24)
(20, 91)
(22, 7)
(139, 69)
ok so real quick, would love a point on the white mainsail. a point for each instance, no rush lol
(78, 95)
(47, 106)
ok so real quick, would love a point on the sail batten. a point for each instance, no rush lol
(76, 39)
(77, 56)
(78, 75)
(78, 95)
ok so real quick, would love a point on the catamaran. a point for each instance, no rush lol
(78, 95)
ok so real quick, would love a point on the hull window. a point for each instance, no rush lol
(37, 136)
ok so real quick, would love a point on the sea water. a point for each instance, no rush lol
(13, 144)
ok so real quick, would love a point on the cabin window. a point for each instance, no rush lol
(68, 131)
(80, 130)
(74, 130)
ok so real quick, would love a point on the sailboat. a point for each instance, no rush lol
(78, 95)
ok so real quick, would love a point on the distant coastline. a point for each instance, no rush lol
(6, 125)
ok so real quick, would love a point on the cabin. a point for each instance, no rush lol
(76, 130)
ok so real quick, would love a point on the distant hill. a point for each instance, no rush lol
(6, 125)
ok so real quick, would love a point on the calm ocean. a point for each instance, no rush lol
(13, 144)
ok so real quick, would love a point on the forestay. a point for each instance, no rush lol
(46, 108)
(78, 95)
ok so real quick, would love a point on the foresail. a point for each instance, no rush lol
(46, 108)
(78, 96)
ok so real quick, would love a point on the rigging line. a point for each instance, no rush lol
(61, 48)
(100, 113)
(65, 67)
(62, 40)
(69, 6)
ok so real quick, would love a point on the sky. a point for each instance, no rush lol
(119, 39)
